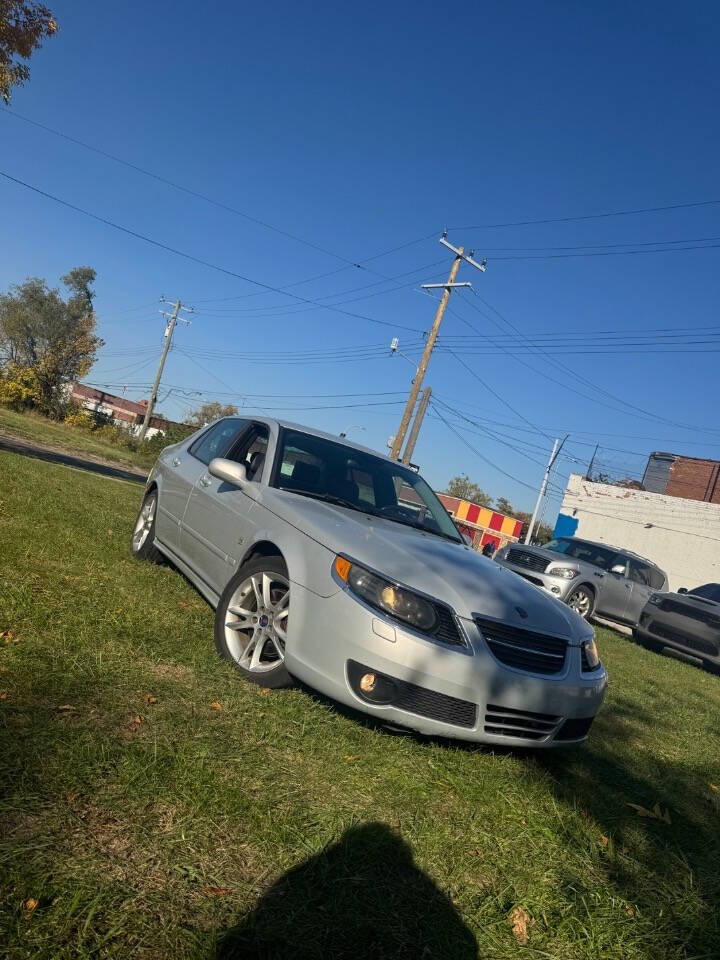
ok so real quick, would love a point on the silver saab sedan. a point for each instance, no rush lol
(327, 562)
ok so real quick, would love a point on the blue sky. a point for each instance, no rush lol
(358, 130)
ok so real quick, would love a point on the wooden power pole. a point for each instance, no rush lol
(158, 376)
(460, 255)
(417, 423)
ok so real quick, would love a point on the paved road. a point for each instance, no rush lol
(40, 452)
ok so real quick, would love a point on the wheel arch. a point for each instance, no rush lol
(263, 548)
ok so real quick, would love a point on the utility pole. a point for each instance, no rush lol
(460, 255)
(588, 475)
(557, 447)
(158, 376)
(417, 423)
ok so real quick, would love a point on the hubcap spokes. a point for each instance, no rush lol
(143, 523)
(580, 604)
(256, 621)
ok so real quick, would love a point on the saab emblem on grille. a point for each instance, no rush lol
(523, 613)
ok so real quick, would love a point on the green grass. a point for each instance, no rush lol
(280, 826)
(33, 427)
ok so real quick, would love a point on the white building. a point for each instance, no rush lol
(681, 536)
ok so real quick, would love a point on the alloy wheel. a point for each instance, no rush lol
(580, 603)
(256, 621)
(144, 523)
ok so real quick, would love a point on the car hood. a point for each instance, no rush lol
(452, 573)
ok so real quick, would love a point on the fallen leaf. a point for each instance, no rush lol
(654, 814)
(150, 698)
(137, 719)
(629, 911)
(7, 637)
(30, 904)
(66, 708)
(523, 822)
(263, 692)
(351, 758)
(3, 694)
(520, 920)
(715, 788)
(216, 891)
(215, 705)
(624, 851)
(604, 840)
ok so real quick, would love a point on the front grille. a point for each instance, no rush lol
(523, 649)
(535, 580)
(523, 558)
(504, 721)
(447, 629)
(418, 700)
(575, 728)
(684, 639)
(694, 613)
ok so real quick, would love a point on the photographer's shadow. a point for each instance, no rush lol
(362, 897)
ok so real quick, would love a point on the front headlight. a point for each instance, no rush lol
(386, 596)
(567, 573)
(592, 657)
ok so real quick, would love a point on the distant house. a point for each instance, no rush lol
(481, 524)
(123, 412)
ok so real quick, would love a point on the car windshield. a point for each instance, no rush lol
(581, 550)
(339, 474)
(709, 591)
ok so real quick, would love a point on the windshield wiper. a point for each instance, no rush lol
(328, 498)
(419, 526)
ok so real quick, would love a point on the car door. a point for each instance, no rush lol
(614, 589)
(640, 588)
(218, 522)
(180, 473)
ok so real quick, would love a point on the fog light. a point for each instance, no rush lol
(368, 682)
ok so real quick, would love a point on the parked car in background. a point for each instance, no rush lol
(688, 621)
(591, 578)
(332, 564)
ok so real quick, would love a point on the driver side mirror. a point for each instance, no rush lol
(618, 568)
(682, 589)
(229, 471)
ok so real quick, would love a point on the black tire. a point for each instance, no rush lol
(585, 598)
(144, 547)
(238, 645)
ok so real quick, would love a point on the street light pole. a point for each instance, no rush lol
(557, 447)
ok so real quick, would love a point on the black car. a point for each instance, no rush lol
(688, 621)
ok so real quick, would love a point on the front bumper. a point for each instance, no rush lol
(674, 630)
(462, 693)
(557, 587)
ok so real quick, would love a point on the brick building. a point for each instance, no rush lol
(675, 475)
(123, 412)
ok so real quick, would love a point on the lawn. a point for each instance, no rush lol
(154, 805)
(34, 428)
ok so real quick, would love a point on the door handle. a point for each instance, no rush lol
(205, 481)
(176, 461)
(599, 575)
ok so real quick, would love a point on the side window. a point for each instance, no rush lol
(251, 450)
(640, 572)
(216, 441)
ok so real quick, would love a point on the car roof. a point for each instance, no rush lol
(609, 546)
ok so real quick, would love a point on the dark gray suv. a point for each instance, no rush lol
(589, 577)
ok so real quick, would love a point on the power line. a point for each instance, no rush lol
(199, 260)
(609, 253)
(478, 454)
(645, 414)
(592, 216)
